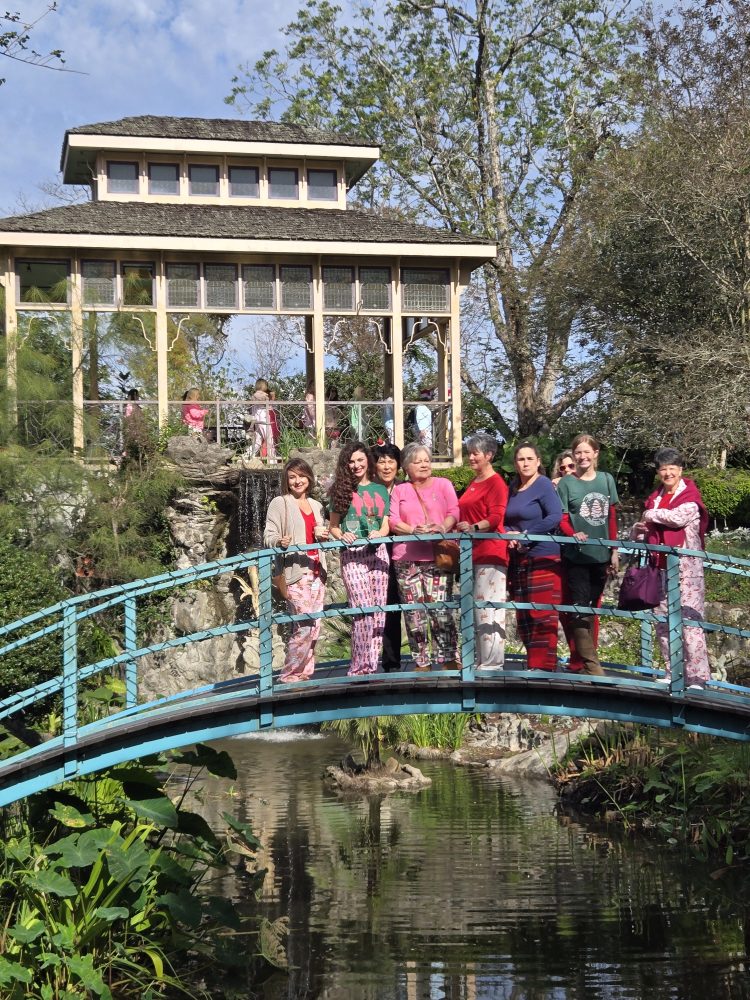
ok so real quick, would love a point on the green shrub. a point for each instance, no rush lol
(459, 475)
(725, 492)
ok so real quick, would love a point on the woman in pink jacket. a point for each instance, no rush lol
(676, 515)
(424, 505)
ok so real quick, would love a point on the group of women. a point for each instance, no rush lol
(368, 501)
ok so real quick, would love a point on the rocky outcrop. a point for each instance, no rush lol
(393, 776)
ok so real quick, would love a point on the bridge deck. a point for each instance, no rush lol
(258, 701)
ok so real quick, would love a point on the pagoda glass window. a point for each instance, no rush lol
(296, 287)
(43, 280)
(375, 287)
(122, 178)
(163, 178)
(321, 185)
(338, 288)
(203, 180)
(98, 277)
(183, 285)
(283, 183)
(425, 290)
(259, 286)
(221, 285)
(137, 284)
(244, 182)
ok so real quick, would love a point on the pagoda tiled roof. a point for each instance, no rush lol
(228, 222)
(222, 129)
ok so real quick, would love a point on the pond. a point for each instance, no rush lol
(473, 889)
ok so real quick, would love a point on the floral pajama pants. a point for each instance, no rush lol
(364, 569)
(490, 584)
(423, 582)
(306, 595)
(693, 598)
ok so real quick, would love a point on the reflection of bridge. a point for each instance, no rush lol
(256, 702)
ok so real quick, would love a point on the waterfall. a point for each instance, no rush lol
(258, 487)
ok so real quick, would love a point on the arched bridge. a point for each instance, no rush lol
(254, 702)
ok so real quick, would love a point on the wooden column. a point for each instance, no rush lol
(76, 350)
(397, 360)
(319, 354)
(455, 362)
(11, 339)
(162, 343)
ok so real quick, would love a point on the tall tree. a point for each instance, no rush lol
(668, 233)
(490, 115)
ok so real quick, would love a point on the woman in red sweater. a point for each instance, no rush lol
(482, 508)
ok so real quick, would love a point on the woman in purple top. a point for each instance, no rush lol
(534, 508)
(424, 505)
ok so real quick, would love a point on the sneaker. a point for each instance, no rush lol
(662, 680)
(696, 687)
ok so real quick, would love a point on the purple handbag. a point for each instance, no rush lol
(642, 588)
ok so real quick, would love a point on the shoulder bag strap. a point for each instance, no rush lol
(422, 503)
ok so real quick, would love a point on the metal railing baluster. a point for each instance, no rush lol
(674, 624)
(265, 633)
(70, 688)
(131, 643)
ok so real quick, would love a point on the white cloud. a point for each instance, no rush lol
(168, 57)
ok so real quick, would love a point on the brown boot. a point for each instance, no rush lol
(584, 640)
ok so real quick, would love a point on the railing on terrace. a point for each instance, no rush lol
(266, 431)
(120, 609)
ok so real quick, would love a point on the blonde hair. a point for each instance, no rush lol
(192, 394)
(261, 385)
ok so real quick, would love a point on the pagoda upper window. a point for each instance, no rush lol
(322, 185)
(98, 278)
(122, 178)
(137, 284)
(203, 180)
(163, 178)
(244, 182)
(283, 182)
(425, 289)
(42, 280)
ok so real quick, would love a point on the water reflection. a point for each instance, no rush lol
(473, 890)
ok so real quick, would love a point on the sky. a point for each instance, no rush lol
(156, 57)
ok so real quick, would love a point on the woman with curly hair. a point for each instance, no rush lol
(359, 517)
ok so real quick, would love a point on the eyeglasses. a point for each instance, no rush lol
(565, 466)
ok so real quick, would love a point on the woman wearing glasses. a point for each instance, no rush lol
(564, 465)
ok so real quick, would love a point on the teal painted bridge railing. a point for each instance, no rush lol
(257, 701)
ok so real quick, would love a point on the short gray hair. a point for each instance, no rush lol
(411, 450)
(482, 442)
(668, 456)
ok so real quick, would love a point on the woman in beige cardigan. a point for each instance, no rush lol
(295, 518)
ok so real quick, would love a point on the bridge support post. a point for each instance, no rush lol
(265, 635)
(647, 644)
(70, 689)
(131, 666)
(468, 635)
(674, 624)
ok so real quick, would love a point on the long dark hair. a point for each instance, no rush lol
(344, 483)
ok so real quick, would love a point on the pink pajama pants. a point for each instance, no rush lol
(364, 569)
(307, 594)
(693, 596)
